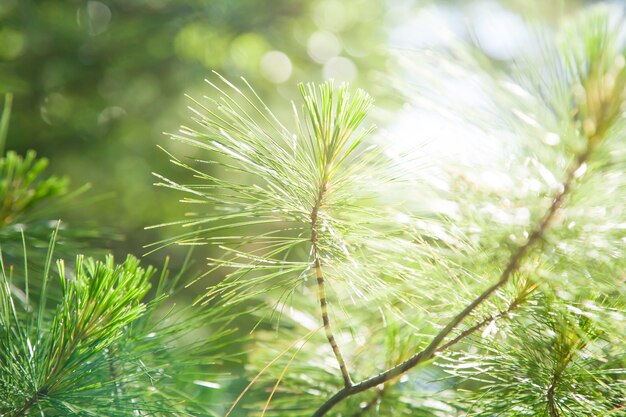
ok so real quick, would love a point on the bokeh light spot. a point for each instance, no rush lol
(246, 51)
(11, 44)
(340, 69)
(323, 46)
(332, 15)
(276, 67)
(95, 16)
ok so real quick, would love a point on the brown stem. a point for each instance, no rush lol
(558, 371)
(321, 288)
(554, 411)
(381, 392)
(511, 267)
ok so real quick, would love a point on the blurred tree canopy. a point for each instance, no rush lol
(97, 82)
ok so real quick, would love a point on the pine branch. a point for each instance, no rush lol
(596, 105)
(299, 197)
(527, 289)
(554, 411)
(101, 348)
(511, 268)
(326, 321)
(569, 351)
(324, 140)
(557, 359)
(517, 301)
(304, 184)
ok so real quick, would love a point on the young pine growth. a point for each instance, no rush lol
(312, 210)
(48, 361)
(102, 347)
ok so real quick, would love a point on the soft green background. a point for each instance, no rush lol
(97, 83)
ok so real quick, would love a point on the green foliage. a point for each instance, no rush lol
(52, 358)
(23, 188)
(315, 182)
(419, 262)
(475, 274)
(555, 360)
(30, 202)
(102, 348)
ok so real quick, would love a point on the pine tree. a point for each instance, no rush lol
(393, 285)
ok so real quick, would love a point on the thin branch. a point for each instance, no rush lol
(512, 266)
(321, 288)
(479, 325)
(560, 367)
(387, 386)
(554, 411)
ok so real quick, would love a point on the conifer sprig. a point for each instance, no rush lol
(30, 203)
(570, 370)
(303, 200)
(22, 186)
(334, 122)
(103, 347)
(51, 358)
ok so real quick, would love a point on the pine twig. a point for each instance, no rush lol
(554, 411)
(478, 326)
(512, 266)
(387, 386)
(558, 372)
(321, 288)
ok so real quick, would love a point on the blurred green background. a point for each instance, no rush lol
(96, 83)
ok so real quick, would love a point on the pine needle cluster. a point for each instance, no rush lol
(100, 348)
